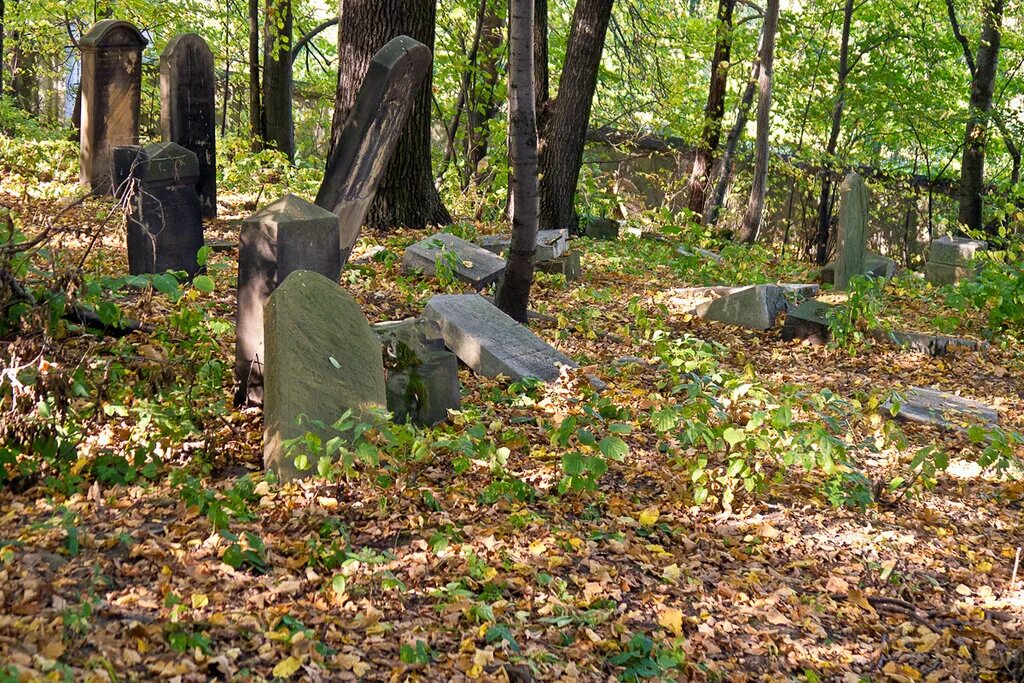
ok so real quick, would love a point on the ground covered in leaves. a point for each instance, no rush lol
(730, 507)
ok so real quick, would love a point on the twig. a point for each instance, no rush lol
(1016, 565)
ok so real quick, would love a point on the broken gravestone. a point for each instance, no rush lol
(286, 235)
(422, 375)
(187, 109)
(165, 221)
(464, 260)
(371, 133)
(875, 265)
(697, 252)
(600, 228)
(567, 265)
(752, 306)
(550, 244)
(942, 409)
(492, 343)
(808, 321)
(853, 230)
(930, 344)
(950, 259)
(322, 360)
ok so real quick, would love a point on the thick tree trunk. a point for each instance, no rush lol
(277, 78)
(825, 199)
(566, 117)
(513, 294)
(483, 105)
(406, 195)
(972, 168)
(700, 175)
(255, 110)
(755, 208)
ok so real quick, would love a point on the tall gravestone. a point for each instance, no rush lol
(111, 91)
(165, 223)
(287, 235)
(368, 139)
(322, 359)
(187, 109)
(853, 230)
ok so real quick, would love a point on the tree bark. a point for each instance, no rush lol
(972, 167)
(563, 127)
(3, 9)
(711, 133)
(541, 78)
(277, 78)
(255, 111)
(825, 199)
(483, 105)
(406, 195)
(513, 295)
(755, 208)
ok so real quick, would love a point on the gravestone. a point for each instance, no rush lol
(942, 409)
(808, 321)
(111, 88)
(188, 114)
(465, 260)
(568, 264)
(322, 359)
(165, 223)
(930, 344)
(853, 230)
(600, 228)
(371, 133)
(286, 235)
(550, 244)
(755, 307)
(875, 265)
(490, 342)
(950, 259)
(422, 375)
(691, 252)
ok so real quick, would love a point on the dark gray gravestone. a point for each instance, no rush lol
(284, 236)
(853, 230)
(422, 374)
(188, 114)
(754, 306)
(165, 223)
(600, 228)
(808, 321)
(368, 139)
(875, 265)
(942, 409)
(111, 90)
(465, 260)
(322, 360)
(568, 264)
(550, 244)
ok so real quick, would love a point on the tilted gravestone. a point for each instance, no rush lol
(942, 409)
(950, 259)
(165, 223)
(568, 265)
(808, 321)
(875, 265)
(465, 260)
(600, 228)
(422, 374)
(322, 360)
(111, 91)
(490, 342)
(368, 139)
(853, 230)
(550, 244)
(286, 235)
(188, 113)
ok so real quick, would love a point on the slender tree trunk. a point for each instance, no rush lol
(3, 9)
(541, 79)
(406, 195)
(277, 78)
(700, 175)
(452, 129)
(755, 208)
(972, 168)
(483, 104)
(566, 117)
(825, 199)
(255, 109)
(513, 294)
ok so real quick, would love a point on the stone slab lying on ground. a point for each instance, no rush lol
(955, 251)
(221, 245)
(808, 321)
(945, 274)
(368, 255)
(422, 374)
(600, 228)
(875, 264)
(697, 251)
(752, 306)
(798, 292)
(931, 344)
(943, 409)
(550, 244)
(322, 359)
(492, 343)
(467, 261)
(568, 264)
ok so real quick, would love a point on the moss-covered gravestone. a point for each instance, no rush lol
(422, 374)
(853, 230)
(322, 360)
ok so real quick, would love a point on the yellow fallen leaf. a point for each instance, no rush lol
(649, 517)
(672, 620)
(199, 600)
(671, 573)
(857, 598)
(286, 668)
(777, 618)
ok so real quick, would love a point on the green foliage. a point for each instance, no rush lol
(861, 311)
(643, 658)
(999, 291)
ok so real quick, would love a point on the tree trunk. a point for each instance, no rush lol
(513, 295)
(825, 199)
(972, 168)
(255, 112)
(541, 79)
(711, 133)
(483, 105)
(406, 195)
(755, 208)
(566, 117)
(452, 130)
(277, 78)
(2, 12)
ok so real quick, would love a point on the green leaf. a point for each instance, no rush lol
(204, 283)
(614, 448)
(733, 435)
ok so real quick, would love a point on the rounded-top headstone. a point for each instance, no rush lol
(113, 33)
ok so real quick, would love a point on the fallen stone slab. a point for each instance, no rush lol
(808, 322)
(422, 375)
(955, 251)
(930, 344)
(550, 244)
(798, 292)
(697, 251)
(875, 265)
(492, 343)
(568, 265)
(221, 245)
(467, 261)
(368, 256)
(942, 409)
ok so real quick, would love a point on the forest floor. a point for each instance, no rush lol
(468, 561)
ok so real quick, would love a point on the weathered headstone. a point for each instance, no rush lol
(286, 235)
(188, 113)
(950, 259)
(550, 244)
(568, 264)
(165, 224)
(422, 374)
(490, 342)
(755, 307)
(875, 265)
(322, 359)
(600, 228)
(465, 260)
(691, 252)
(853, 230)
(111, 91)
(943, 409)
(930, 344)
(357, 163)
(808, 321)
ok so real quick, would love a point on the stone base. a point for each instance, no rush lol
(945, 274)
(568, 264)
